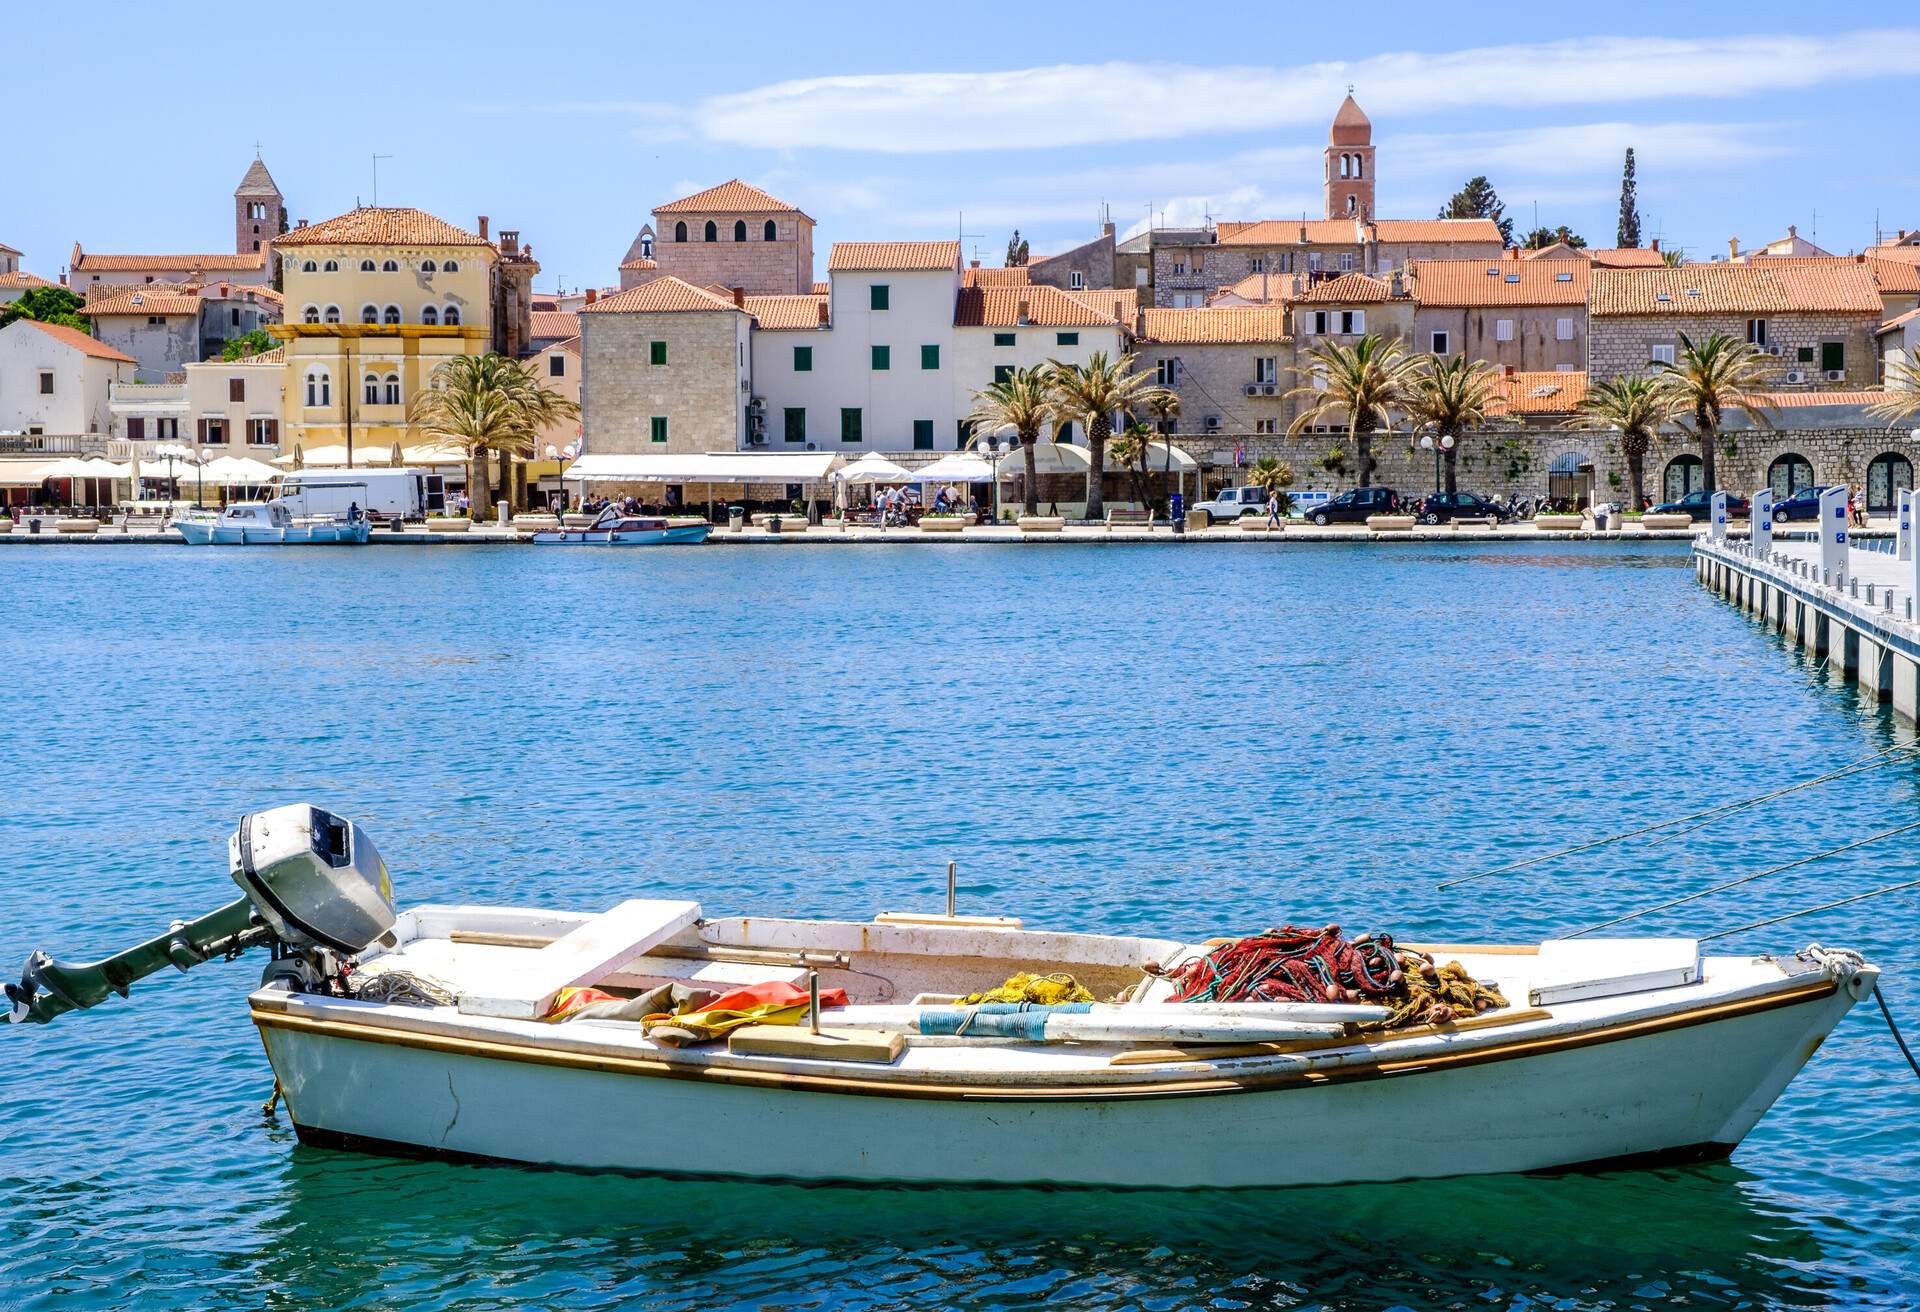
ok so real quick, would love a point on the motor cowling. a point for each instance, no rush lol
(315, 878)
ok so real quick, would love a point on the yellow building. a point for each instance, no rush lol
(375, 299)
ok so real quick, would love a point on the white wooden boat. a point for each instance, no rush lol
(1608, 1052)
(613, 529)
(268, 523)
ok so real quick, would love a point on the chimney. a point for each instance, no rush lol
(740, 297)
(483, 227)
(593, 294)
(1733, 248)
(1303, 232)
(1656, 243)
(823, 312)
(1507, 371)
(1025, 307)
(509, 241)
(301, 224)
(1399, 287)
(1139, 322)
(974, 264)
(223, 291)
(1793, 230)
(1106, 230)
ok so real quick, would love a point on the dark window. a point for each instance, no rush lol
(1833, 355)
(882, 357)
(1066, 339)
(236, 389)
(656, 352)
(556, 366)
(877, 296)
(803, 359)
(769, 233)
(46, 382)
(1804, 355)
(850, 424)
(1003, 339)
(659, 428)
(712, 231)
(739, 229)
(680, 231)
(1064, 433)
(1002, 372)
(923, 435)
(930, 357)
(233, 316)
(963, 433)
(796, 423)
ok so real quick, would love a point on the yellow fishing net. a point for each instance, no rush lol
(1042, 990)
(1432, 994)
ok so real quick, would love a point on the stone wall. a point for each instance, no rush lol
(1622, 344)
(1093, 261)
(697, 391)
(781, 267)
(1535, 344)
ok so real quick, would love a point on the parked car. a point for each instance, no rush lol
(1230, 503)
(1699, 505)
(1804, 504)
(1354, 506)
(1445, 507)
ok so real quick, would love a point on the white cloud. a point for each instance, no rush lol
(1080, 104)
(1583, 148)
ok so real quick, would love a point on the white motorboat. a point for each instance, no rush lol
(611, 528)
(269, 523)
(1607, 1052)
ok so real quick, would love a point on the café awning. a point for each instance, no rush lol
(1048, 458)
(956, 468)
(874, 468)
(703, 467)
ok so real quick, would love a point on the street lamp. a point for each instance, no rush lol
(1430, 443)
(990, 442)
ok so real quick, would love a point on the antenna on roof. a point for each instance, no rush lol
(376, 178)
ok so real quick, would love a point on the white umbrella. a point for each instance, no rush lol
(875, 468)
(1048, 458)
(956, 468)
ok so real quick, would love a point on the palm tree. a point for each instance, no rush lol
(541, 407)
(1275, 475)
(1365, 382)
(1710, 378)
(1164, 405)
(1023, 401)
(1094, 392)
(483, 404)
(1130, 449)
(1902, 400)
(1447, 398)
(1634, 407)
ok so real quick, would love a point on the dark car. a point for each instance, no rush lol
(1804, 504)
(1699, 505)
(1353, 507)
(1445, 507)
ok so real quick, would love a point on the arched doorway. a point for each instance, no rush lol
(1684, 474)
(1789, 473)
(1887, 474)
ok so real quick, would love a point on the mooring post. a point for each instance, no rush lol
(1762, 543)
(1717, 520)
(1833, 533)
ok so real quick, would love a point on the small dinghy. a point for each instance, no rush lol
(613, 529)
(839, 1050)
(269, 524)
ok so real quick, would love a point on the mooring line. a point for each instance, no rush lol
(1865, 762)
(1825, 906)
(1894, 1029)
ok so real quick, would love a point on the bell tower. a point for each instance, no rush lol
(1350, 163)
(259, 210)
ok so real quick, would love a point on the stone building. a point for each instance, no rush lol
(166, 327)
(1526, 314)
(665, 368)
(259, 211)
(1814, 321)
(220, 407)
(1088, 266)
(1351, 306)
(15, 281)
(1349, 163)
(733, 235)
(1187, 275)
(1231, 367)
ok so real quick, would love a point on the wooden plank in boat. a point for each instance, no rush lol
(595, 949)
(1578, 970)
(936, 918)
(882, 1047)
(1215, 1052)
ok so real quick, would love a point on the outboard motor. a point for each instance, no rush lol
(314, 890)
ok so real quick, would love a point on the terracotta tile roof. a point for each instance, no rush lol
(822, 288)
(641, 262)
(719, 289)
(1896, 278)
(215, 263)
(666, 295)
(1806, 400)
(1526, 392)
(730, 197)
(1900, 254)
(1349, 289)
(1428, 230)
(277, 355)
(1898, 321)
(1219, 325)
(1122, 302)
(571, 345)
(1047, 307)
(893, 256)
(555, 323)
(995, 277)
(249, 291)
(1776, 287)
(384, 226)
(79, 341)
(1287, 232)
(775, 313)
(1626, 257)
(1469, 283)
(24, 281)
(1260, 288)
(146, 300)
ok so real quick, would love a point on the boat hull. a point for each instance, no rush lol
(212, 533)
(1682, 1087)
(675, 535)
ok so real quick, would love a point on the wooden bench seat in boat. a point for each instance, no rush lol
(524, 989)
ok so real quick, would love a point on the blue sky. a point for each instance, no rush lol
(570, 121)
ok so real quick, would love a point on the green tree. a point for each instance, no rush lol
(1449, 398)
(1130, 449)
(1023, 401)
(1016, 251)
(46, 305)
(1364, 382)
(251, 343)
(1094, 393)
(1540, 237)
(485, 404)
(1710, 378)
(1478, 200)
(1635, 408)
(1628, 232)
(1274, 476)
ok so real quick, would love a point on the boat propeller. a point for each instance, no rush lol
(313, 889)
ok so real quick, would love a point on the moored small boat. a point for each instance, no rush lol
(614, 529)
(269, 523)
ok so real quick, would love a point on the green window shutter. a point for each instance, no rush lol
(1066, 339)
(1804, 355)
(659, 425)
(929, 357)
(882, 357)
(923, 435)
(1833, 355)
(962, 435)
(803, 359)
(1002, 372)
(850, 424)
(656, 352)
(796, 423)
(877, 296)
(1003, 339)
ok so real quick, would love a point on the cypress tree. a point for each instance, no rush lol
(1629, 230)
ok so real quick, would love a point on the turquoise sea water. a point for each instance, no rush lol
(1188, 742)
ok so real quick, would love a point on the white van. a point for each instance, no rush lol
(379, 493)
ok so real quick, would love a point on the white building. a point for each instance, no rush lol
(56, 380)
(224, 408)
(1000, 329)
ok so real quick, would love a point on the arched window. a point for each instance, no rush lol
(310, 315)
(391, 389)
(769, 233)
(390, 266)
(1343, 166)
(369, 314)
(739, 229)
(452, 317)
(366, 266)
(429, 315)
(371, 392)
(1887, 474)
(309, 267)
(712, 232)
(680, 231)
(451, 266)
(1789, 473)
(1359, 166)
(1683, 475)
(332, 266)
(319, 388)
(1353, 204)
(333, 314)
(426, 266)
(392, 315)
